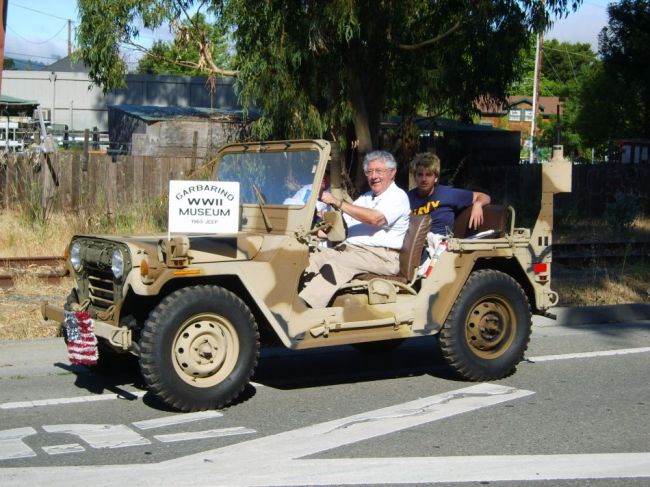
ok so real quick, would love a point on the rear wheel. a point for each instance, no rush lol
(199, 348)
(488, 329)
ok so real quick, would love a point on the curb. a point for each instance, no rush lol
(594, 315)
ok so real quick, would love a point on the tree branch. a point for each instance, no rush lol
(428, 42)
(210, 70)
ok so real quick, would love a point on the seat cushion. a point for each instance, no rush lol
(494, 218)
(409, 256)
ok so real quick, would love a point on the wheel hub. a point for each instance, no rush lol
(489, 327)
(205, 350)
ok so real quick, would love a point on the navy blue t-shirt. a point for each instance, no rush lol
(443, 205)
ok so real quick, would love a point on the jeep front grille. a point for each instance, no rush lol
(100, 288)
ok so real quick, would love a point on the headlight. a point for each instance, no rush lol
(75, 256)
(117, 263)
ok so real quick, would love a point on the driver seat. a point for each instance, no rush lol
(411, 253)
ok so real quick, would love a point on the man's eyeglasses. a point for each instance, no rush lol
(378, 172)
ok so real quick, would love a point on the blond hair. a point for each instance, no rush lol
(426, 160)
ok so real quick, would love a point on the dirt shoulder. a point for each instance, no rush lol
(20, 316)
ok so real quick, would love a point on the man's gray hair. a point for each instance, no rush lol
(386, 156)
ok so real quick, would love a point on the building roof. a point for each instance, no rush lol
(547, 105)
(13, 101)
(151, 113)
(67, 65)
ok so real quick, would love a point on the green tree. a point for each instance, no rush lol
(182, 55)
(623, 45)
(314, 67)
(564, 64)
(613, 100)
(565, 68)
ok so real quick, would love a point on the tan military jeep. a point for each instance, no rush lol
(194, 308)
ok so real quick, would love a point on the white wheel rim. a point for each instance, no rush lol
(205, 350)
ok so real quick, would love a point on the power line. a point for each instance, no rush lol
(38, 42)
(39, 11)
(31, 55)
(572, 53)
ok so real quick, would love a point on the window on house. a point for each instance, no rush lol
(528, 115)
(514, 115)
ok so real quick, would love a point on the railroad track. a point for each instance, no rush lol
(580, 252)
(53, 268)
(46, 268)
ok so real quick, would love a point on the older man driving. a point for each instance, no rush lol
(377, 222)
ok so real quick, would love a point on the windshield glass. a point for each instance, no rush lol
(277, 177)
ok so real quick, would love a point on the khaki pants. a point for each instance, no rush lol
(334, 267)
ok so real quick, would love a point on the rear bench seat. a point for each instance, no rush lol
(494, 218)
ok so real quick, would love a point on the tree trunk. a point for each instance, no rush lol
(362, 131)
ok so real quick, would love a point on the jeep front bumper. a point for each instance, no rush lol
(118, 336)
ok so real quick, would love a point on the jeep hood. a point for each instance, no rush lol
(203, 248)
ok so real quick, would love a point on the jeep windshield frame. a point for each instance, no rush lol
(278, 181)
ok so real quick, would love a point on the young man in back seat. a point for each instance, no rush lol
(442, 202)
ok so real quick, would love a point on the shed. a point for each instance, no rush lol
(16, 107)
(173, 131)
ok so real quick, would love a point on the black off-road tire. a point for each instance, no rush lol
(488, 329)
(199, 348)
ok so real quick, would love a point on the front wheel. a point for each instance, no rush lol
(199, 348)
(488, 329)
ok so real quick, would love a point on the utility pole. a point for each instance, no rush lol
(3, 15)
(536, 80)
(69, 37)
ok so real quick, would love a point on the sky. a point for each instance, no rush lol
(38, 29)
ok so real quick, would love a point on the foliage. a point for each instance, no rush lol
(613, 99)
(107, 26)
(315, 68)
(565, 67)
(564, 64)
(623, 45)
(621, 213)
(181, 56)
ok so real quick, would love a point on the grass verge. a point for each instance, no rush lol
(595, 284)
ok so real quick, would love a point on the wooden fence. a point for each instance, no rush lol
(71, 181)
(76, 181)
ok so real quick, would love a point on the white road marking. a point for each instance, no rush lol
(100, 435)
(504, 468)
(61, 449)
(277, 455)
(70, 400)
(200, 435)
(602, 353)
(12, 445)
(176, 419)
(278, 458)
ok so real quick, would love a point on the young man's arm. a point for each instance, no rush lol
(479, 200)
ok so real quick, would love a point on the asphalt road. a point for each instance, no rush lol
(576, 413)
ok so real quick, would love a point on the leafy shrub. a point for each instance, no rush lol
(622, 211)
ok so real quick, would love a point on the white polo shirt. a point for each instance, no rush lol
(394, 204)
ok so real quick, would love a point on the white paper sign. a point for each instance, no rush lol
(203, 207)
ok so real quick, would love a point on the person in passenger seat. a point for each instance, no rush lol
(442, 202)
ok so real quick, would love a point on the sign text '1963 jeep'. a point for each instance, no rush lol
(194, 308)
